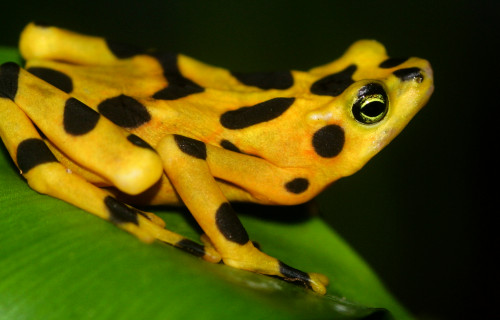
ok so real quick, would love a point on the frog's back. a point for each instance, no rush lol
(290, 118)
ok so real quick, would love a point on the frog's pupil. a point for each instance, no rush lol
(373, 109)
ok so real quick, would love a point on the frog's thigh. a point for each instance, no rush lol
(184, 161)
(82, 134)
(46, 175)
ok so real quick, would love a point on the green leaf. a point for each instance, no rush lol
(58, 262)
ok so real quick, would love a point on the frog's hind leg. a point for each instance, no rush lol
(40, 41)
(47, 175)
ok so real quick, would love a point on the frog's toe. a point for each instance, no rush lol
(318, 282)
(314, 281)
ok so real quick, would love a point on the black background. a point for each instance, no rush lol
(417, 212)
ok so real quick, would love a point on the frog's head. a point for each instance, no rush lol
(372, 98)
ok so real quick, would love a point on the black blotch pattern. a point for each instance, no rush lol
(54, 77)
(392, 62)
(122, 51)
(329, 141)
(31, 153)
(139, 142)
(9, 75)
(124, 111)
(191, 247)
(228, 145)
(191, 146)
(178, 86)
(409, 74)
(248, 116)
(295, 276)
(334, 84)
(229, 225)
(78, 117)
(297, 185)
(119, 212)
(280, 80)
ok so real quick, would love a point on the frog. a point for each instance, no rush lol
(110, 128)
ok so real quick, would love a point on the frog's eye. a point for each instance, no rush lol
(371, 105)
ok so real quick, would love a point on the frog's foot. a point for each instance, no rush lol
(147, 227)
(47, 178)
(252, 259)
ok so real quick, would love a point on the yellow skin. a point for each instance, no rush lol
(294, 133)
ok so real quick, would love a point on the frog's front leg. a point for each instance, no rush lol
(185, 162)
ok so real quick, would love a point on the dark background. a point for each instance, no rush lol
(417, 211)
